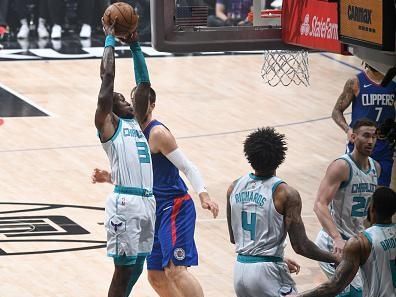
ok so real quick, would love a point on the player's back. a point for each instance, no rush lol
(129, 156)
(257, 227)
(379, 271)
(259, 235)
(350, 204)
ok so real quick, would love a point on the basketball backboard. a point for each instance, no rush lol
(185, 26)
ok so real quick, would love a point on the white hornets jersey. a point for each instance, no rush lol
(257, 226)
(129, 156)
(379, 271)
(350, 204)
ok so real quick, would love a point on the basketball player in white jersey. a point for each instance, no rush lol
(261, 210)
(374, 251)
(130, 209)
(344, 195)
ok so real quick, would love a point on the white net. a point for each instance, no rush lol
(285, 67)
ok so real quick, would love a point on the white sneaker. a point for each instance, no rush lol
(85, 31)
(42, 31)
(23, 32)
(56, 32)
(276, 3)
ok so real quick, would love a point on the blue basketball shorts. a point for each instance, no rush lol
(174, 234)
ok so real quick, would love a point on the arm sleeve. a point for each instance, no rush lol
(188, 168)
(140, 67)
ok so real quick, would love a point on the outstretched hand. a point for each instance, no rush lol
(293, 266)
(109, 29)
(338, 246)
(129, 38)
(100, 176)
(209, 204)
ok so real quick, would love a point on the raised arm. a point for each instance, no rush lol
(139, 64)
(162, 140)
(355, 254)
(141, 97)
(229, 223)
(344, 100)
(105, 120)
(291, 205)
(336, 174)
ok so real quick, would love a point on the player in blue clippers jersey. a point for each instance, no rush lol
(369, 100)
(174, 247)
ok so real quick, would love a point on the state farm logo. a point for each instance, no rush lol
(319, 28)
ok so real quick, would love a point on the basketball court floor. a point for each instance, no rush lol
(52, 236)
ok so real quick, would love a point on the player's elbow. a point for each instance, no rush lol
(335, 287)
(318, 206)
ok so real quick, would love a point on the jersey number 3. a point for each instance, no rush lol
(143, 152)
(251, 227)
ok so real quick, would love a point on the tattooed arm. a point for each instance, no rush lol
(344, 100)
(355, 254)
(105, 120)
(288, 202)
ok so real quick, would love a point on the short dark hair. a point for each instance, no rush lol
(152, 95)
(363, 122)
(265, 149)
(384, 202)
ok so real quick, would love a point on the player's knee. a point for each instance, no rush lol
(174, 272)
(157, 279)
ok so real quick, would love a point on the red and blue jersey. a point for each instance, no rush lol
(167, 181)
(374, 101)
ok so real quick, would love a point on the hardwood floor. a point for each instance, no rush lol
(209, 103)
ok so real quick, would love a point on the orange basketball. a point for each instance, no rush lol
(125, 17)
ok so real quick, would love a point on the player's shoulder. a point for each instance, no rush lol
(339, 170)
(353, 83)
(341, 163)
(286, 192)
(159, 131)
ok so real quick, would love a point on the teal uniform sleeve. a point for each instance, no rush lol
(140, 67)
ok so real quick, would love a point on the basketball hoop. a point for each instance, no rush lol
(285, 67)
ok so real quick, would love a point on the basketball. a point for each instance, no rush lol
(125, 17)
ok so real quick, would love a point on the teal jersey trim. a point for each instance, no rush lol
(368, 236)
(139, 64)
(255, 177)
(358, 166)
(346, 183)
(133, 191)
(258, 259)
(117, 131)
(275, 186)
